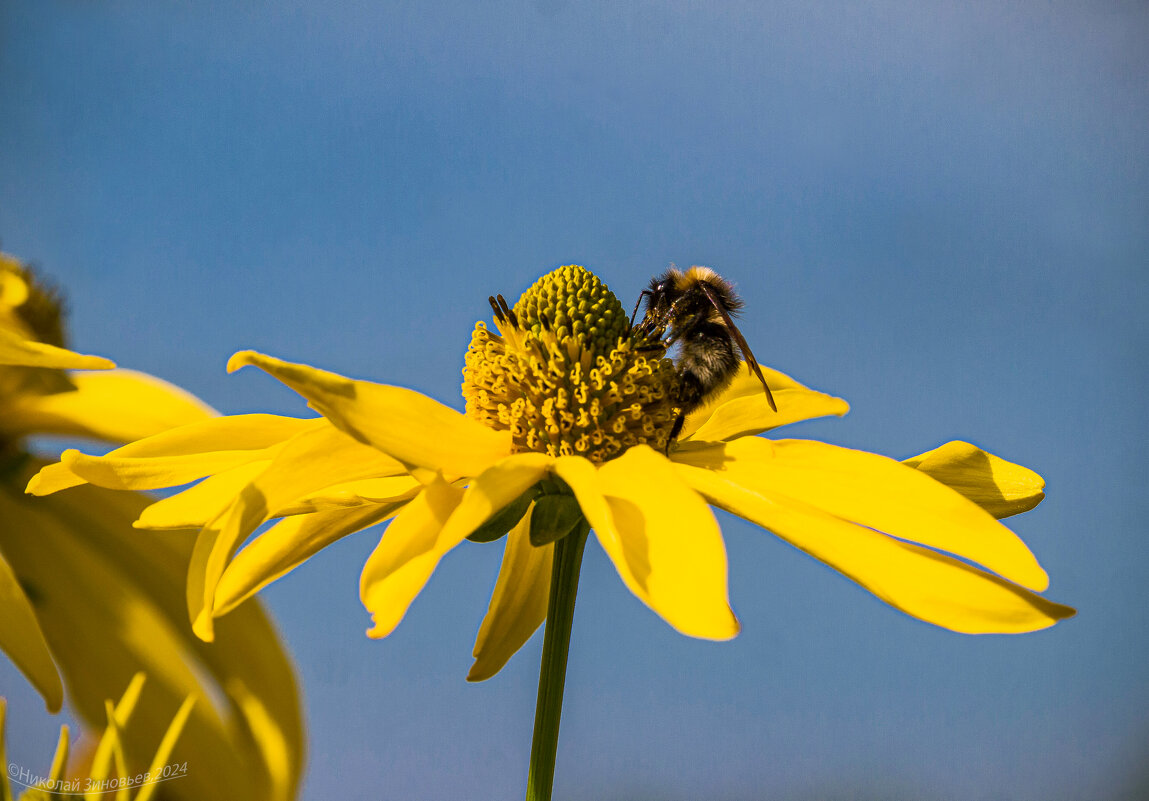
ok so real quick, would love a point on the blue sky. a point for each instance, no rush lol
(939, 214)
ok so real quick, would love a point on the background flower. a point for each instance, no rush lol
(103, 768)
(87, 602)
(936, 212)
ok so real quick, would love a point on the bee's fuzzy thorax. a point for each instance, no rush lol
(722, 288)
(698, 274)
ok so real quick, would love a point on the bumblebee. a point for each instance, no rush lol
(697, 307)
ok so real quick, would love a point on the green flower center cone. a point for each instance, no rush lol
(564, 375)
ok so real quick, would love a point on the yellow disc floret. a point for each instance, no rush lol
(28, 307)
(564, 374)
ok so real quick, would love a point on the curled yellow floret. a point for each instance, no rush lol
(564, 375)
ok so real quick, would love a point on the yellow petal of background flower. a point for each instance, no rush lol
(1001, 488)
(661, 537)
(53, 478)
(400, 422)
(180, 455)
(742, 410)
(21, 638)
(5, 788)
(60, 759)
(920, 582)
(109, 749)
(17, 351)
(110, 601)
(433, 523)
(108, 761)
(308, 462)
(518, 605)
(288, 544)
(14, 289)
(165, 748)
(118, 406)
(872, 491)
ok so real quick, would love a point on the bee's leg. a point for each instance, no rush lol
(689, 398)
(675, 430)
(664, 344)
(650, 347)
(643, 294)
(653, 345)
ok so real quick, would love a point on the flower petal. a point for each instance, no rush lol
(109, 750)
(17, 351)
(156, 472)
(20, 635)
(202, 502)
(872, 491)
(110, 601)
(290, 543)
(307, 462)
(1001, 488)
(52, 478)
(60, 758)
(410, 549)
(350, 494)
(198, 504)
(179, 455)
(518, 605)
(661, 537)
(923, 583)
(166, 746)
(118, 406)
(5, 788)
(400, 422)
(433, 523)
(741, 409)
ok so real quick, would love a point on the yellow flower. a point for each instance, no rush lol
(109, 771)
(87, 601)
(567, 418)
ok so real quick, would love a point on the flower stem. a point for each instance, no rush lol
(553, 670)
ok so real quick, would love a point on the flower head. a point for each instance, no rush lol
(569, 408)
(564, 376)
(86, 602)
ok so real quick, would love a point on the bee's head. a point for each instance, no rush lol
(664, 289)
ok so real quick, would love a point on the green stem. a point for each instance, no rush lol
(553, 670)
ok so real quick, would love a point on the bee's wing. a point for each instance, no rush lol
(751, 363)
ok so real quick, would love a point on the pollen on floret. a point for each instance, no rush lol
(564, 375)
